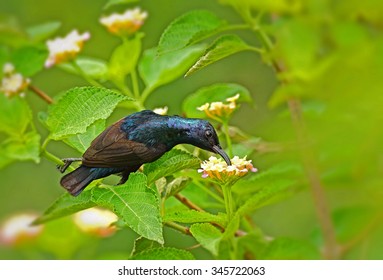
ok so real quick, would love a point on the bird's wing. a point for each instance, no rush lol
(112, 149)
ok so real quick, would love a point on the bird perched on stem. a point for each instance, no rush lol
(139, 138)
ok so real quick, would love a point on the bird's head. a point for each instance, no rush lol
(204, 136)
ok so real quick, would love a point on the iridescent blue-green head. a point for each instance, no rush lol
(201, 133)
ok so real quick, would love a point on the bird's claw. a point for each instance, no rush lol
(67, 163)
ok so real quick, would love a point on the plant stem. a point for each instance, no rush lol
(41, 94)
(331, 250)
(188, 203)
(178, 227)
(229, 202)
(136, 90)
(83, 74)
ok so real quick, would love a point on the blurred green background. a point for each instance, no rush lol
(342, 114)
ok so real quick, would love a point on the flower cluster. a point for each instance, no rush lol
(18, 228)
(64, 49)
(96, 221)
(161, 111)
(219, 109)
(217, 169)
(125, 24)
(13, 83)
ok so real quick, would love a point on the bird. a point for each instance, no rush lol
(139, 138)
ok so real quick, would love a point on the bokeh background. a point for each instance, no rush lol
(343, 117)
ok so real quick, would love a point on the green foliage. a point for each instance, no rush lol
(324, 89)
(79, 108)
(166, 253)
(208, 236)
(224, 46)
(159, 70)
(94, 67)
(66, 205)
(170, 163)
(135, 203)
(189, 29)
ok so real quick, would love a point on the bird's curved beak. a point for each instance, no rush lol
(221, 152)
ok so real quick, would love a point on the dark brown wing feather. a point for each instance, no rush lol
(112, 149)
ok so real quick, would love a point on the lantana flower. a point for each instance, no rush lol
(125, 24)
(217, 169)
(96, 221)
(13, 83)
(67, 48)
(219, 109)
(19, 228)
(161, 111)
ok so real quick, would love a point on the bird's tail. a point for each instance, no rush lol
(76, 181)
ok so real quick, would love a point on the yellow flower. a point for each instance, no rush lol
(125, 24)
(64, 49)
(161, 111)
(96, 221)
(217, 169)
(18, 228)
(13, 83)
(220, 110)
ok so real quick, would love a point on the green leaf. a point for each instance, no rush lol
(112, 3)
(157, 71)
(15, 115)
(142, 244)
(78, 108)
(171, 162)
(192, 216)
(40, 32)
(188, 29)
(213, 93)
(175, 186)
(208, 236)
(29, 60)
(81, 142)
(94, 67)
(66, 205)
(124, 59)
(24, 147)
(135, 203)
(224, 46)
(165, 253)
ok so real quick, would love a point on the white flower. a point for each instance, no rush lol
(161, 111)
(219, 109)
(18, 228)
(216, 168)
(127, 23)
(96, 221)
(13, 83)
(64, 49)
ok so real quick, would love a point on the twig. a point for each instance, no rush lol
(41, 94)
(188, 203)
(178, 227)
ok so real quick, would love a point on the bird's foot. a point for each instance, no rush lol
(67, 163)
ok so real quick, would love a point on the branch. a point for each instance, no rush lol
(41, 94)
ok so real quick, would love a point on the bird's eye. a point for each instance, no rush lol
(208, 133)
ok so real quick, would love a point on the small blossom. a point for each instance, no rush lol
(96, 221)
(12, 83)
(64, 49)
(18, 228)
(125, 24)
(216, 168)
(161, 111)
(219, 109)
